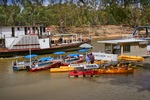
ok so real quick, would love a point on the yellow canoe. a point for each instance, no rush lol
(130, 58)
(61, 69)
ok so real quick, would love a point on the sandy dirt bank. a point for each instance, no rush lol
(103, 31)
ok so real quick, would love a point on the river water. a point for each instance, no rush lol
(43, 85)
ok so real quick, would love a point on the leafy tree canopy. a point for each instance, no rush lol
(74, 12)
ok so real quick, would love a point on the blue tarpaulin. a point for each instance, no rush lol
(59, 52)
(73, 55)
(45, 59)
(30, 56)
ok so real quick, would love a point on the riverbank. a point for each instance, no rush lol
(101, 32)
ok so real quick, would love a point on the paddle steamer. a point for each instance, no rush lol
(17, 40)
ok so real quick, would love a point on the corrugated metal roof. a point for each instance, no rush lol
(132, 40)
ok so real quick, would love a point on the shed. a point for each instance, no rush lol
(132, 46)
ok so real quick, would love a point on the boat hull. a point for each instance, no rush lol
(16, 68)
(85, 73)
(19, 66)
(75, 73)
(44, 67)
(73, 62)
(21, 52)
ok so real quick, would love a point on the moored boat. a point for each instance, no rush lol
(17, 66)
(36, 65)
(131, 58)
(84, 70)
(61, 69)
(43, 66)
(117, 68)
(116, 71)
(76, 73)
(21, 65)
(39, 41)
(73, 59)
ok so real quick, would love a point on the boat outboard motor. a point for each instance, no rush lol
(27, 68)
(59, 63)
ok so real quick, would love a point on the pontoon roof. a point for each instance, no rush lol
(133, 40)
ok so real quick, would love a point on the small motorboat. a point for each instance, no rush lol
(36, 65)
(21, 65)
(73, 59)
(17, 66)
(43, 66)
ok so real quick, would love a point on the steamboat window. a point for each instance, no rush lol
(33, 28)
(126, 48)
(13, 31)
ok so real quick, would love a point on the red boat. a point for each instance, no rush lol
(91, 73)
(73, 60)
(87, 71)
(43, 66)
(95, 73)
(76, 73)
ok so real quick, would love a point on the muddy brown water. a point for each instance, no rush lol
(43, 85)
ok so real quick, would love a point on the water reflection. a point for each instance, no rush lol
(58, 86)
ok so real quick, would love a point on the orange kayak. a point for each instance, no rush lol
(116, 71)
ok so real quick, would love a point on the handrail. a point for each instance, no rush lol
(135, 30)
